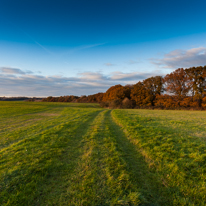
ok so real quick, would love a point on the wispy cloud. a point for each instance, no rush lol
(16, 82)
(109, 64)
(89, 46)
(44, 48)
(79, 48)
(182, 58)
(94, 76)
(40, 45)
(133, 62)
(9, 70)
(133, 76)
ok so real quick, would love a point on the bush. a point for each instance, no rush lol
(128, 104)
(117, 103)
(104, 104)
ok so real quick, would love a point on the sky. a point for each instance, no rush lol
(82, 47)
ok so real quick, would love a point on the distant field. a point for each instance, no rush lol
(80, 154)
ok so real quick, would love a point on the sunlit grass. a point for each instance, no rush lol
(171, 148)
(80, 154)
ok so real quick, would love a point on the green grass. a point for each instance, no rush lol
(80, 154)
(172, 148)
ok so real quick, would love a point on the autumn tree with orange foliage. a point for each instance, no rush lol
(139, 94)
(95, 98)
(117, 92)
(166, 101)
(197, 77)
(177, 82)
(154, 87)
(144, 93)
(183, 88)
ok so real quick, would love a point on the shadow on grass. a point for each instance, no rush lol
(69, 159)
(142, 176)
(44, 182)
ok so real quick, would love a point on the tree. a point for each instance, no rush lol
(167, 101)
(144, 93)
(153, 86)
(197, 77)
(177, 82)
(116, 92)
(139, 94)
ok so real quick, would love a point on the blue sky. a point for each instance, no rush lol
(81, 47)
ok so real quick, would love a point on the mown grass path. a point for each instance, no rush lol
(102, 178)
(82, 155)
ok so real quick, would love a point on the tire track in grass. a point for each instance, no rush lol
(143, 175)
(182, 175)
(101, 177)
(34, 171)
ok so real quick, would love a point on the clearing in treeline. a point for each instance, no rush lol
(81, 154)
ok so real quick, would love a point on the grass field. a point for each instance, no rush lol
(80, 154)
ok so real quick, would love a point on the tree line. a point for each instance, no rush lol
(182, 88)
(19, 99)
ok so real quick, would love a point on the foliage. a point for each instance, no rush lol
(61, 99)
(116, 92)
(128, 104)
(144, 93)
(181, 89)
(177, 82)
(167, 101)
(197, 77)
(154, 87)
(95, 98)
(139, 94)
